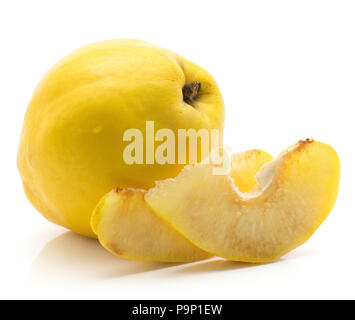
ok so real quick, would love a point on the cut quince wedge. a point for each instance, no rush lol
(296, 193)
(128, 227)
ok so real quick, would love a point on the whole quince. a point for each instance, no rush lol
(71, 147)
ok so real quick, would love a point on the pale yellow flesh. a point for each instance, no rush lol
(127, 226)
(299, 190)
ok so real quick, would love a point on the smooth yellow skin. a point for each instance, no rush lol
(245, 165)
(128, 227)
(71, 147)
(297, 192)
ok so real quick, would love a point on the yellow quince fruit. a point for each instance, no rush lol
(71, 148)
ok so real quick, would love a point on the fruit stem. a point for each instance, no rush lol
(190, 91)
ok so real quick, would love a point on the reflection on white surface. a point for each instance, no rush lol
(72, 266)
(71, 257)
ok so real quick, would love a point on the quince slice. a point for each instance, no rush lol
(296, 193)
(128, 227)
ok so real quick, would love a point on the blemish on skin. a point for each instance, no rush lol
(97, 129)
(304, 143)
(128, 193)
(115, 249)
(308, 140)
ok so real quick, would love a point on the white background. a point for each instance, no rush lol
(286, 70)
